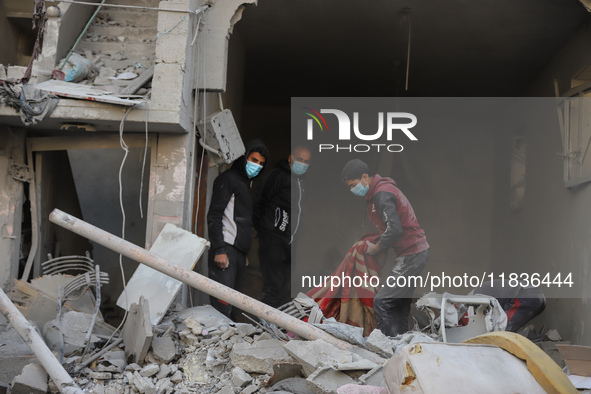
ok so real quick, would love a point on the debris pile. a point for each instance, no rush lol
(198, 350)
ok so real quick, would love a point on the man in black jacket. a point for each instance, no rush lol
(275, 224)
(229, 221)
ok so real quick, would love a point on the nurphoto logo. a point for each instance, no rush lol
(390, 119)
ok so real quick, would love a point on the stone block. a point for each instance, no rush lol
(150, 370)
(240, 378)
(164, 348)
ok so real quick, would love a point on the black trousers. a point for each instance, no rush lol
(392, 304)
(233, 276)
(275, 259)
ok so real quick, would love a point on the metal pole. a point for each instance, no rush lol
(63, 381)
(203, 283)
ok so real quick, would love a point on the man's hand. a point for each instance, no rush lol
(221, 260)
(373, 249)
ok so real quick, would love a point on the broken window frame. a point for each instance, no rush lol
(37, 145)
(575, 132)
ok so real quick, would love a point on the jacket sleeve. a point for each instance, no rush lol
(267, 189)
(386, 205)
(220, 196)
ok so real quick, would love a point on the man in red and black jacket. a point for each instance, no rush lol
(392, 214)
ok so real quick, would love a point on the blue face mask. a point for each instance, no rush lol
(299, 168)
(359, 190)
(252, 169)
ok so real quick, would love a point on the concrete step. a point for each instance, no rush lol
(132, 33)
(142, 3)
(131, 18)
(123, 64)
(129, 50)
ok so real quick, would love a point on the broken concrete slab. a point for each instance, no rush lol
(31, 380)
(72, 328)
(259, 357)
(14, 353)
(315, 354)
(327, 380)
(176, 245)
(358, 389)
(375, 377)
(137, 332)
(380, 343)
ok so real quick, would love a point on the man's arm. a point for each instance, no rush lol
(386, 205)
(221, 194)
(265, 193)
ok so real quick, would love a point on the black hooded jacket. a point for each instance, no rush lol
(272, 210)
(229, 219)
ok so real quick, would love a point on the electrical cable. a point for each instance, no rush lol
(126, 149)
(144, 161)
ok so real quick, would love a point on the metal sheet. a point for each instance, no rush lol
(84, 92)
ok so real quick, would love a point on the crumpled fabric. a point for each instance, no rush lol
(33, 104)
(495, 320)
(351, 305)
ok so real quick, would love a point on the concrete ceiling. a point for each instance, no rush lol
(359, 47)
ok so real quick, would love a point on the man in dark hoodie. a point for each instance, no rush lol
(391, 213)
(229, 221)
(275, 224)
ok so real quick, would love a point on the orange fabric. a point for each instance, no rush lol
(349, 304)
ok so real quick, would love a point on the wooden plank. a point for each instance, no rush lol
(84, 92)
(137, 83)
(159, 289)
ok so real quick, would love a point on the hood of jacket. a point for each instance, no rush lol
(240, 163)
(378, 184)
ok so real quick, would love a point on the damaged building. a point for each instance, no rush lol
(122, 114)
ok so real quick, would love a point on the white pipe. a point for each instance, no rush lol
(32, 339)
